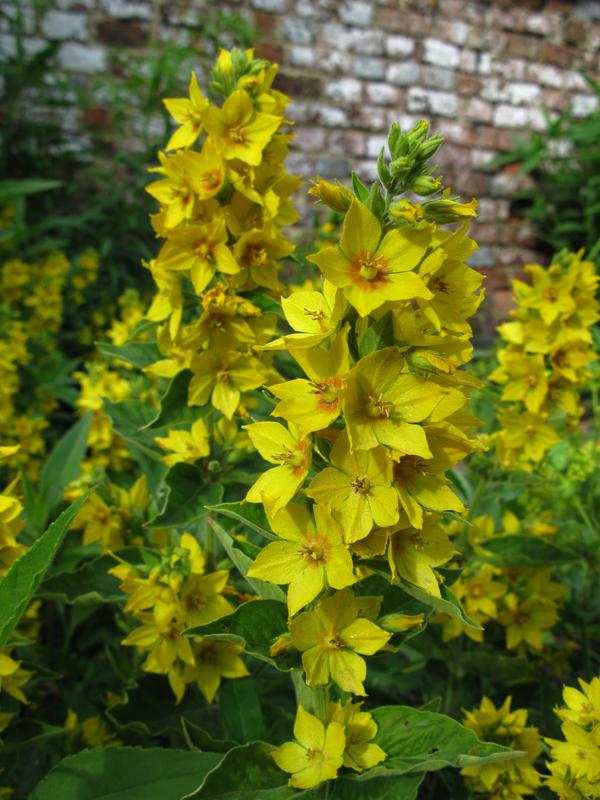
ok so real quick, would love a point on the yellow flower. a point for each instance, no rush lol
(312, 315)
(524, 378)
(257, 252)
(276, 487)
(221, 377)
(371, 270)
(504, 779)
(201, 249)
(526, 621)
(312, 555)
(359, 728)
(215, 660)
(583, 706)
(316, 403)
(331, 638)
(359, 489)
(188, 113)
(317, 753)
(189, 176)
(580, 752)
(202, 599)
(384, 406)
(414, 553)
(239, 130)
(524, 437)
(185, 446)
(13, 677)
(421, 483)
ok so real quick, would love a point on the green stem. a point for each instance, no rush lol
(210, 548)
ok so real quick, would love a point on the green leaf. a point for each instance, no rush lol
(396, 787)
(240, 710)
(130, 419)
(359, 188)
(249, 514)
(89, 584)
(239, 553)
(174, 408)
(246, 773)
(21, 581)
(62, 466)
(19, 188)
(525, 551)
(188, 497)
(255, 624)
(140, 354)
(126, 773)
(423, 741)
(377, 336)
(448, 602)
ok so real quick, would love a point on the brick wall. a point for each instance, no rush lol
(481, 71)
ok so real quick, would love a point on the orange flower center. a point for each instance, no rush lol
(369, 266)
(378, 407)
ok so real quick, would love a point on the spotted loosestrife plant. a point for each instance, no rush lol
(296, 468)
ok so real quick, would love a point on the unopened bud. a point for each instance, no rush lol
(426, 185)
(333, 195)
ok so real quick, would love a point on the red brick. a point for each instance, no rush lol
(468, 84)
(557, 55)
(121, 33)
(272, 52)
(521, 46)
(298, 85)
(265, 23)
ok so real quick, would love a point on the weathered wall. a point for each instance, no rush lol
(481, 71)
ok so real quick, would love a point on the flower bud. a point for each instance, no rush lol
(333, 195)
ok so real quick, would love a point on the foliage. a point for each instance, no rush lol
(563, 161)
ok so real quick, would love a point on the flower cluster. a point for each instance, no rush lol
(523, 600)
(546, 357)
(321, 748)
(169, 593)
(224, 196)
(12, 675)
(33, 298)
(575, 764)
(376, 418)
(510, 779)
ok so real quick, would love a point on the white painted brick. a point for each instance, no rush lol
(481, 159)
(82, 58)
(441, 53)
(368, 42)
(584, 104)
(479, 110)
(345, 90)
(506, 116)
(547, 75)
(374, 145)
(457, 32)
(484, 67)
(573, 80)
(523, 93)
(494, 90)
(298, 31)
(337, 62)
(369, 67)
(399, 46)
(537, 119)
(127, 9)
(383, 94)
(63, 25)
(338, 36)
(332, 117)
(301, 56)
(468, 60)
(435, 103)
(356, 12)
(405, 73)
